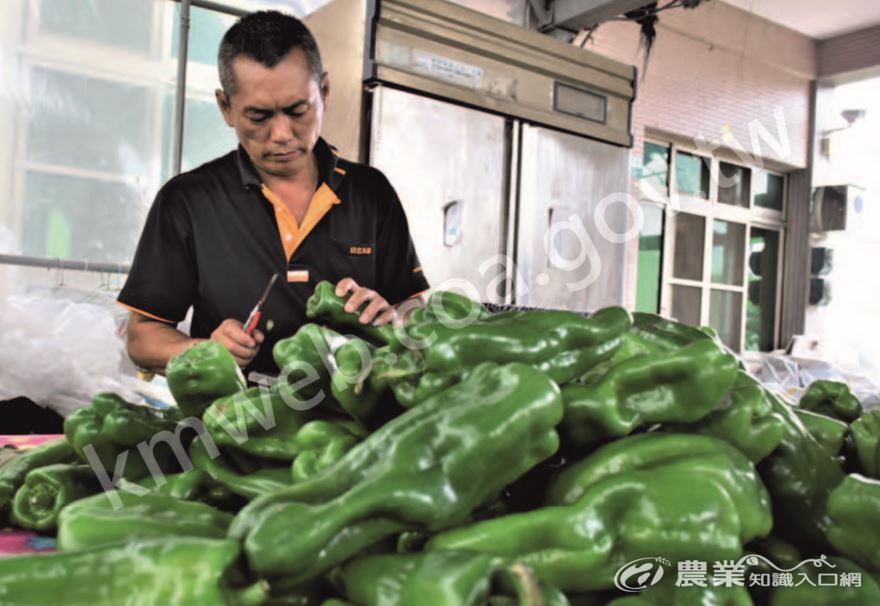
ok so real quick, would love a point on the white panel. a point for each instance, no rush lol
(573, 221)
(447, 165)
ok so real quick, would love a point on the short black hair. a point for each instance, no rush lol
(266, 37)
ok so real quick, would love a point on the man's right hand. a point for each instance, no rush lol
(242, 346)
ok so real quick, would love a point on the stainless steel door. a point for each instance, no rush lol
(447, 164)
(572, 223)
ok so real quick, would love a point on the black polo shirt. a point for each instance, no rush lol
(215, 235)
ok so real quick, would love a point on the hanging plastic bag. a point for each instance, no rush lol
(59, 353)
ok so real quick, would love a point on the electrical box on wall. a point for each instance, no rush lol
(834, 206)
(820, 291)
(821, 260)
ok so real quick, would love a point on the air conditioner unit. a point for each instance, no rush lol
(834, 207)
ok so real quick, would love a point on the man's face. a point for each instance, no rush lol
(276, 113)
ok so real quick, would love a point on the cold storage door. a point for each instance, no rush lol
(447, 164)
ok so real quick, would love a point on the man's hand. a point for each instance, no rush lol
(242, 346)
(377, 312)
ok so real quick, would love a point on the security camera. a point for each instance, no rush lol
(852, 115)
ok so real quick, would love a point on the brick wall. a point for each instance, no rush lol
(716, 71)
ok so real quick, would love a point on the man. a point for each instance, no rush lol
(284, 202)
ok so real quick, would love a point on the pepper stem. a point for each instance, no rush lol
(252, 595)
(525, 584)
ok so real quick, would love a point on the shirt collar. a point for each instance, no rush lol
(324, 152)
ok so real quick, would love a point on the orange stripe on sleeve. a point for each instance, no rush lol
(146, 313)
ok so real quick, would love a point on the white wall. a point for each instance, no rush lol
(849, 327)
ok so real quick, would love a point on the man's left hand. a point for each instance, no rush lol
(377, 311)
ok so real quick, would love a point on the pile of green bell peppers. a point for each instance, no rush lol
(464, 458)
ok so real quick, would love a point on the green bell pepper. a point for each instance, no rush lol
(676, 510)
(832, 399)
(866, 435)
(15, 469)
(412, 391)
(351, 387)
(812, 594)
(780, 552)
(658, 334)
(827, 431)
(306, 362)
(258, 422)
(799, 475)
(200, 374)
(326, 306)
(682, 385)
(744, 419)
(47, 490)
(562, 344)
(439, 578)
(649, 334)
(179, 571)
(247, 483)
(111, 428)
(449, 306)
(187, 486)
(102, 520)
(666, 593)
(320, 444)
(854, 509)
(700, 455)
(427, 469)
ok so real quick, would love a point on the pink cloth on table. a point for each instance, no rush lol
(27, 441)
(14, 542)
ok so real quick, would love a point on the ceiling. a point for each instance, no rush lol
(815, 18)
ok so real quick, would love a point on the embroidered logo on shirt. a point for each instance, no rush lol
(301, 275)
(360, 250)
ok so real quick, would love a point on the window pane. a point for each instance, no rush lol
(691, 175)
(769, 190)
(655, 166)
(85, 145)
(733, 184)
(725, 316)
(120, 23)
(688, 255)
(88, 123)
(763, 280)
(728, 249)
(650, 247)
(205, 135)
(686, 304)
(80, 218)
(206, 30)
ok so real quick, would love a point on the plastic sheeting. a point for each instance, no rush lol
(59, 353)
(790, 377)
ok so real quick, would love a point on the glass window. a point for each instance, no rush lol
(119, 23)
(687, 260)
(733, 184)
(769, 189)
(80, 218)
(762, 290)
(725, 316)
(650, 247)
(205, 135)
(692, 175)
(89, 123)
(655, 166)
(300, 8)
(206, 30)
(686, 304)
(728, 250)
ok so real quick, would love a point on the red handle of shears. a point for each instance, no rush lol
(252, 322)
